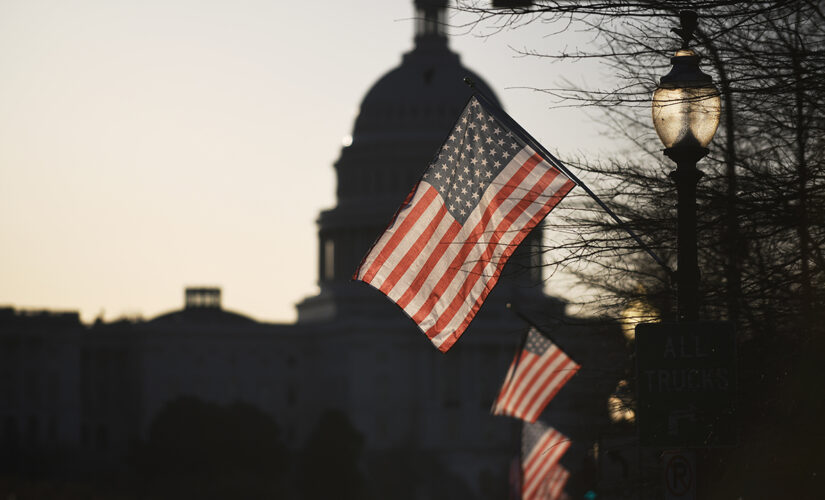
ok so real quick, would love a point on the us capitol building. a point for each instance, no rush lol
(94, 390)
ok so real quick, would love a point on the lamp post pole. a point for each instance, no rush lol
(686, 109)
(686, 177)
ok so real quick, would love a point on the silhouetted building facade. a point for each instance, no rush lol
(93, 391)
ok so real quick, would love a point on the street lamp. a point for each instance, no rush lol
(686, 108)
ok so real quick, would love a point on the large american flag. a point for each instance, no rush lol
(541, 448)
(447, 244)
(536, 374)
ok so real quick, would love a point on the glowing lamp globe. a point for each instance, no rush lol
(686, 106)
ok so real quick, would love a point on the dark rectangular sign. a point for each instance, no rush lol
(686, 381)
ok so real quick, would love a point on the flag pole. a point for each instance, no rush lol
(561, 166)
(523, 340)
(530, 322)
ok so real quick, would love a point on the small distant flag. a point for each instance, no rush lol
(444, 250)
(536, 374)
(552, 488)
(541, 448)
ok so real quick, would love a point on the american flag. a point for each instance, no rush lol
(535, 376)
(552, 488)
(447, 244)
(541, 448)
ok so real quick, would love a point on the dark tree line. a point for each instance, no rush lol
(195, 449)
(761, 205)
(200, 450)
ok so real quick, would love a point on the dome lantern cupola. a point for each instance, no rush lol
(429, 20)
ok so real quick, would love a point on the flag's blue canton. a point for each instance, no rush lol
(530, 435)
(476, 151)
(537, 343)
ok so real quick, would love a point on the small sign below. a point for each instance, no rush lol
(679, 475)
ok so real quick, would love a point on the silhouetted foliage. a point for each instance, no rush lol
(329, 464)
(761, 206)
(197, 449)
(407, 474)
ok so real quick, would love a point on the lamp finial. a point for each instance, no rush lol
(689, 21)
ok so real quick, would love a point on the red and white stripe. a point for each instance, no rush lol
(541, 460)
(440, 271)
(553, 485)
(535, 382)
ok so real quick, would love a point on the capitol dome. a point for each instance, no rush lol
(402, 122)
(420, 99)
(405, 116)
